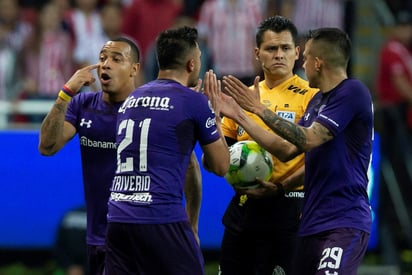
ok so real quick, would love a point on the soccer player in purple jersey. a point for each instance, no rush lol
(336, 135)
(93, 117)
(158, 127)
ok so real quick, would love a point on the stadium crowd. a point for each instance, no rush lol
(42, 42)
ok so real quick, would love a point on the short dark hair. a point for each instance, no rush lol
(173, 45)
(276, 24)
(133, 46)
(334, 45)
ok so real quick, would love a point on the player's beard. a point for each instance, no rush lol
(193, 81)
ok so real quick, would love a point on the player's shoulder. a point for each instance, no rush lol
(87, 98)
(87, 95)
(354, 84)
(300, 81)
(161, 84)
(349, 89)
(301, 86)
(170, 89)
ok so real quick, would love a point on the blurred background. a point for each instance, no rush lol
(42, 43)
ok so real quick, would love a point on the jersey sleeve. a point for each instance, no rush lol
(73, 109)
(205, 120)
(342, 107)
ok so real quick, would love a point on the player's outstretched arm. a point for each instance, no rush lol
(193, 193)
(304, 138)
(54, 131)
(267, 139)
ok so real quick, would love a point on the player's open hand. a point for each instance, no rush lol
(211, 89)
(248, 99)
(82, 77)
(221, 103)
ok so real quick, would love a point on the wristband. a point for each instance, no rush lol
(68, 91)
(280, 189)
(64, 96)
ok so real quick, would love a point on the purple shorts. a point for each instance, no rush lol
(337, 251)
(152, 249)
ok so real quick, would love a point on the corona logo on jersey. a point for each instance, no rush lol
(151, 102)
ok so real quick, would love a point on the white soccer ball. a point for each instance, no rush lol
(248, 161)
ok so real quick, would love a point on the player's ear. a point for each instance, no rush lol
(297, 50)
(318, 63)
(190, 66)
(135, 69)
(257, 53)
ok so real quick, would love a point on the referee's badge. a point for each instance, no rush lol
(289, 116)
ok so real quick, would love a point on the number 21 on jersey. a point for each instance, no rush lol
(128, 126)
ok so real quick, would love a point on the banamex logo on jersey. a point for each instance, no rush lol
(84, 141)
(152, 102)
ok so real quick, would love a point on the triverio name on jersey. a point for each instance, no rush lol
(131, 183)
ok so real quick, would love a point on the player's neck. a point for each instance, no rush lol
(173, 75)
(332, 79)
(275, 80)
(115, 97)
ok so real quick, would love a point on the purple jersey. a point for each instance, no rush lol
(336, 172)
(158, 127)
(95, 122)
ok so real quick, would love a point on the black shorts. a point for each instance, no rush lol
(260, 236)
(273, 212)
(95, 259)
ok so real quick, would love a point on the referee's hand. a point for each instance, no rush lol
(265, 189)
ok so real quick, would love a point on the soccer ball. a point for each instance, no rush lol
(248, 161)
